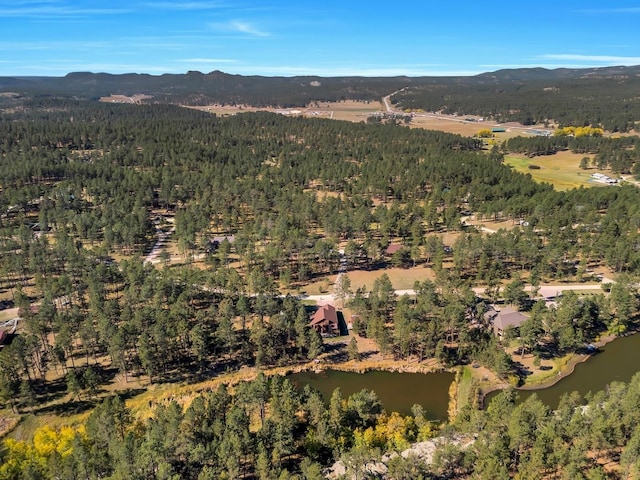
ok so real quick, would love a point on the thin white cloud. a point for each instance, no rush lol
(248, 28)
(123, 45)
(237, 26)
(50, 10)
(600, 59)
(372, 71)
(62, 67)
(16, 3)
(55, 45)
(183, 5)
(207, 60)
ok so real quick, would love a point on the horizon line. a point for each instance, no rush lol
(338, 75)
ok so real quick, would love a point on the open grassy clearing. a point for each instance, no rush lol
(449, 124)
(490, 225)
(348, 110)
(355, 111)
(562, 170)
(401, 278)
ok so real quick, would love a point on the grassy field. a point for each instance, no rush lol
(349, 110)
(401, 278)
(561, 170)
(355, 111)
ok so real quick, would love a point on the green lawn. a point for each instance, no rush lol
(465, 384)
(561, 170)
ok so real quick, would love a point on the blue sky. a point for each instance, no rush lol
(323, 37)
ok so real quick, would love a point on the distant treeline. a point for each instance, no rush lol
(195, 88)
(605, 97)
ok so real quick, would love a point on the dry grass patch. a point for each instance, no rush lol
(8, 421)
(445, 123)
(359, 111)
(137, 98)
(490, 225)
(8, 314)
(349, 110)
(401, 278)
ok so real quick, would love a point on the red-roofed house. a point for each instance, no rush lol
(393, 248)
(325, 320)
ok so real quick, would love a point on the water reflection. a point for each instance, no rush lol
(617, 361)
(398, 392)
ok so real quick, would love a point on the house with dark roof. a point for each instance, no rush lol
(507, 317)
(325, 321)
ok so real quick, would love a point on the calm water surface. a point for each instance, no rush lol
(616, 361)
(398, 392)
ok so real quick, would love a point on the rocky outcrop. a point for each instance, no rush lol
(423, 451)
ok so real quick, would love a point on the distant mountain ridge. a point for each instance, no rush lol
(220, 84)
(529, 74)
(198, 88)
(606, 96)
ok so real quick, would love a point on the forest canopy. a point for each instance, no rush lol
(264, 204)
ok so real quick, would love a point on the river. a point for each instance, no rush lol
(618, 360)
(398, 392)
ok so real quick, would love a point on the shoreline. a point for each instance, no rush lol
(156, 394)
(569, 367)
(564, 371)
(184, 394)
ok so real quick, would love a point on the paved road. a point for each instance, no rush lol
(387, 101)
(10, 323)
(153, 256)
(546, 291)
(455, 118)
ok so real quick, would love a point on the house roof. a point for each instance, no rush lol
(490, 313)
(508, 317)
(393, 248)
(326, 313)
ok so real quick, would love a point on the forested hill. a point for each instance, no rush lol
(606, 97)
(216, 87)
